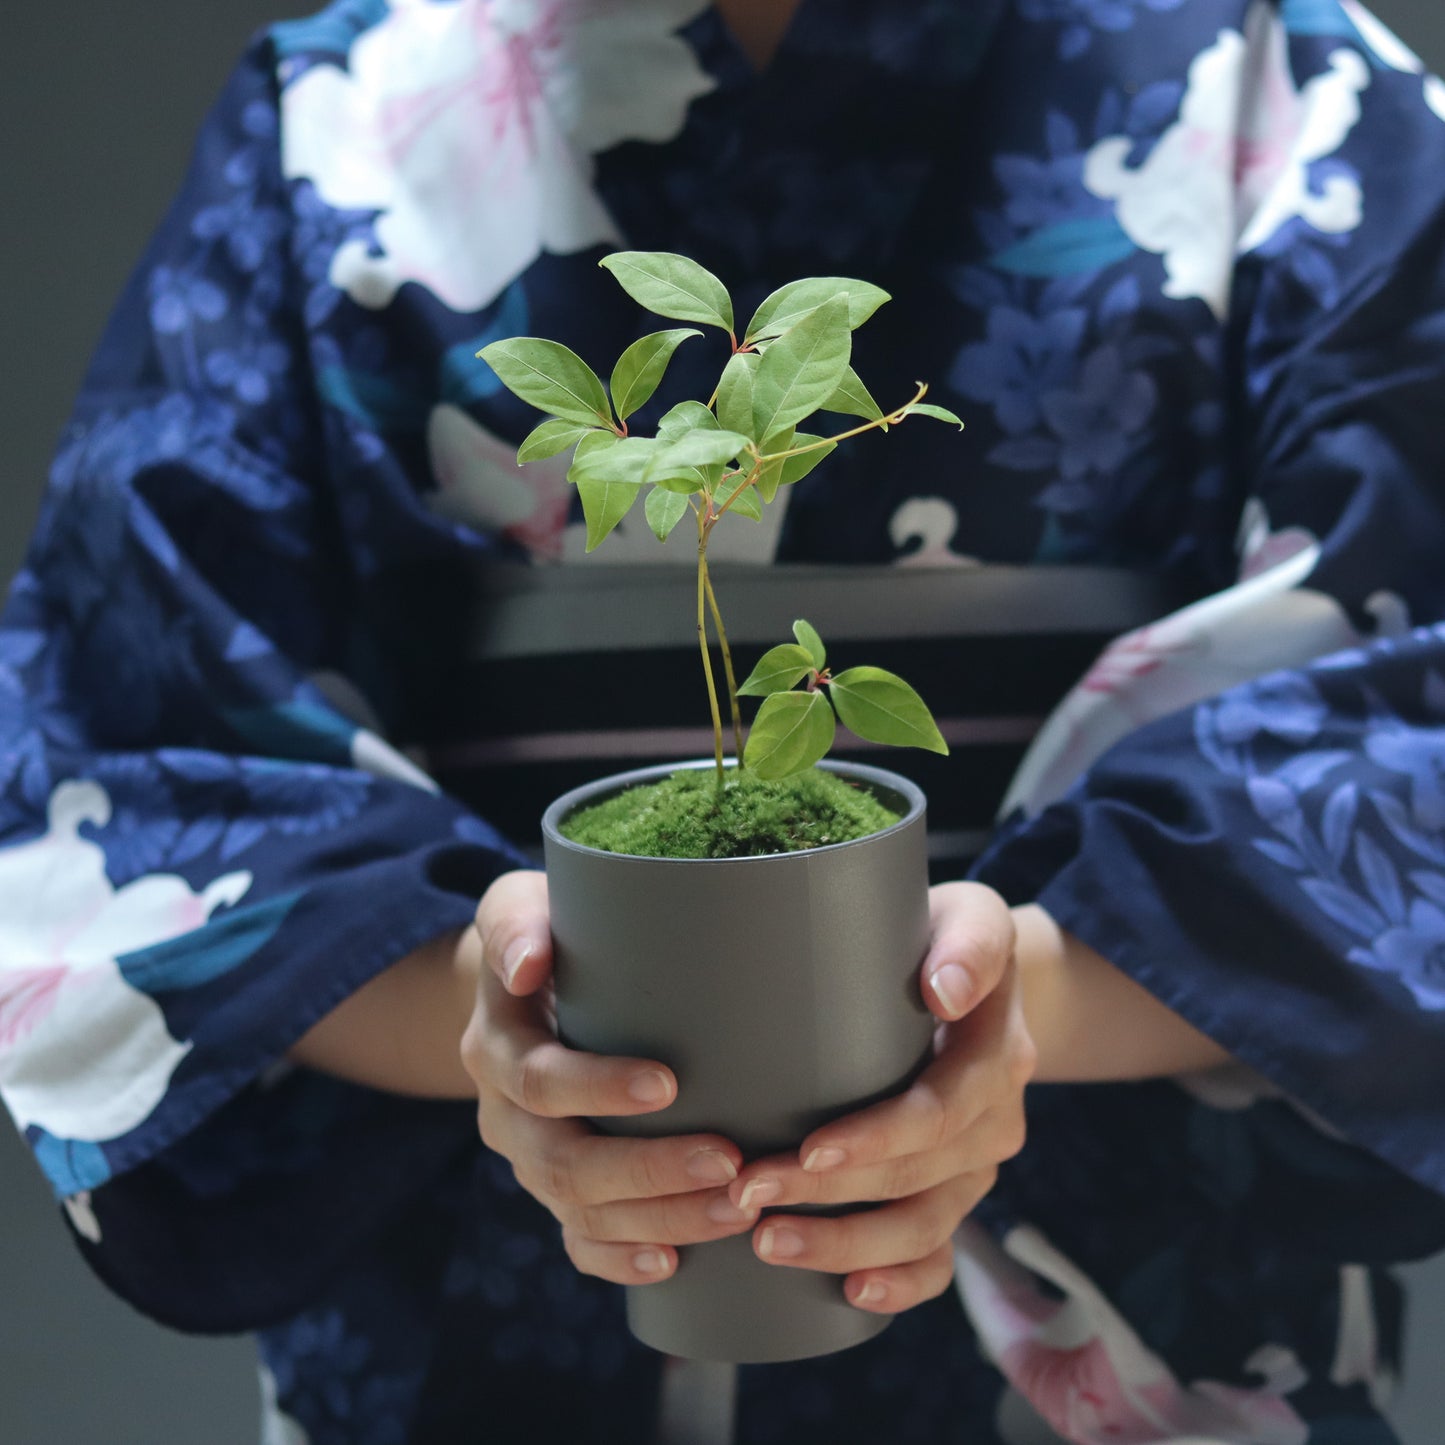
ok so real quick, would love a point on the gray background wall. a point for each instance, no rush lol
(96, 115)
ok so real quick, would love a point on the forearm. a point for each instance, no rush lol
(402, 1031)
(1092, 1023)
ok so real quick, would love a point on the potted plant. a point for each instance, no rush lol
(755, 923)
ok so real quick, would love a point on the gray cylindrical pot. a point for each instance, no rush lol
(783, 992)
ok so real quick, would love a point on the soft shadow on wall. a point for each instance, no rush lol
(98, 110)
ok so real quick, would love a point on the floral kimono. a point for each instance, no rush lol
(1181, 267)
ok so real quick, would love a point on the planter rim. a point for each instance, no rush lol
(579, 797)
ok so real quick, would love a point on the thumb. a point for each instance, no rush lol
(512, 919)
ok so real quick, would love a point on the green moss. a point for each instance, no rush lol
(680, 817)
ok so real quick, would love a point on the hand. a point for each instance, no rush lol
(932, 1151)
(622, 1203)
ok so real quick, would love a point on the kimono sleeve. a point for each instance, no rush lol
(200, 855)
(1269, 860)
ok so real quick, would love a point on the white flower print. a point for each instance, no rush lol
(469, 126)
(1234, 168)
(1266, 622)
(83, 1054)
(1390, 50)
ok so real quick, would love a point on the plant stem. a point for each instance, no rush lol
(891, 419)
(722, 638)
(717, 728)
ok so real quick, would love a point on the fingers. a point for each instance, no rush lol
(780, 1181)
(890, 1237)
(890, 1291)
(620, 1263)
(979, 1072)
(972, 944)
(516, 939)
(564, 1163)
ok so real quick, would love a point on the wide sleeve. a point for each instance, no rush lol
(1266, 853)
(201, 853)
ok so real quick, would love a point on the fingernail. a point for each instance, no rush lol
(723, 1211)
(872, 1293)
(759, 1192)
(711, 1166)
(778, 1242)
(650, 1088)
(954, 988)
(518, 952)
(824, 1158)
(649, 1261)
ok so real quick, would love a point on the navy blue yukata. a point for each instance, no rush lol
(1180, 267)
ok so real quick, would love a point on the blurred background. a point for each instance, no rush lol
(97, 113)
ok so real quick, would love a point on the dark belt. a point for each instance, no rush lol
(569, 673)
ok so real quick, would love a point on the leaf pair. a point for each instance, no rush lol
(554, 379)
(794, 730)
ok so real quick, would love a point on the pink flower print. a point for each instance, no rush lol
(480, 485)
(27, 995)
(1080, 1365)
(469, 127)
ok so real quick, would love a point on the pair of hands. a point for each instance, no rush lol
(931, 1153)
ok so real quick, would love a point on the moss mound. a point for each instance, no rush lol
(680, 817)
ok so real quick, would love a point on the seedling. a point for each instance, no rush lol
(728, 455)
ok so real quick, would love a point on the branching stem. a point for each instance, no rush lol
(727, 656)
(891, 419)
(702, 588)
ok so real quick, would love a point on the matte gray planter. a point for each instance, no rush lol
(783, 992)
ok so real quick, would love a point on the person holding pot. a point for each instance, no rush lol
(1179, 267)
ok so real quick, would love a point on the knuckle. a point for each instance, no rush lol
(903, 1177)
(932, 1114)
(558, 1178)
(646, 1173)
(1023, 1061)
(922, 1230)
(530, 1082)
(1013, 1136)
(589, 1220)
(487, 1127)
(470, 1047)
(676, 1221)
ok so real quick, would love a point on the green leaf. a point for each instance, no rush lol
(927, 408)
(796, 468)
(551, 377)
(640, 368)
(686, 416)
(551, 437)
(789, 304)
(625, 460)
(770, 476)
(672, 285)
(851, 399)
(883, 708)
(778, 669)
(747, 505)
(735, 393)
(664, 511)
(684, 483)
(791, 732)
(802, 368)
(698, 448)
(590, 446)
(604, 504)
(808, 638)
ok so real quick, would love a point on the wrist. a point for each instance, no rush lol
(1092, 1023)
